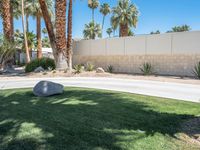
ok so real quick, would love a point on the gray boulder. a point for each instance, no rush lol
(39, 69)
(47, 88)
(100, 70)
(9, 69)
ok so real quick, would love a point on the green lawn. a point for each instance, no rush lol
(92, 119)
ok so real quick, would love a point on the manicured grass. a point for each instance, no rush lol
(92, 119)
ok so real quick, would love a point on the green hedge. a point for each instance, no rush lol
(45, 63)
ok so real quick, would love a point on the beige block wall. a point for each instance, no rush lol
(179, 65)
(170, 54)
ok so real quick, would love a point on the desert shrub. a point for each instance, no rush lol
(44, 73)
(45, 63)
(7, 51)
(147, 69)
(196, 71)
(78, 68)
(89, 67)
(110, 69)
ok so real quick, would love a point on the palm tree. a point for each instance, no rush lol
(93, 4)
(7, 29)
(45, 42)
(61, 41)
(25, 36)
(15, 12)
(182, 28)
(44, 31)
(109, 31)
(36, 11)
(31, 40)
(27, 11)
(92, 30)
(125, 16)
(105, 10)
(6, 15)
(69, 36)
(130, 32)
(49, 27)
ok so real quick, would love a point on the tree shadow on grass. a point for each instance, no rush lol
(80, 119)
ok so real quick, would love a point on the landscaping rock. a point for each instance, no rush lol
(39, 69)
(47, 88)
(100, 70)
(8, 69)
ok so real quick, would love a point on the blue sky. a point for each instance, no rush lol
(154, 15)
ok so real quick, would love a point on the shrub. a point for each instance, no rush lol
(110, 69)
(45, 73)
(147, 69)
(7, 51)
(196, 71)
(89, 67)
(45, 63)
(78, 68)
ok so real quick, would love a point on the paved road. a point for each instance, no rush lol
(187, 92)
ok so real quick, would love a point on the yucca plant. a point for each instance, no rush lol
(78, 68)
(196, 71)
(147, 69)
(110, 69)
(89, 67)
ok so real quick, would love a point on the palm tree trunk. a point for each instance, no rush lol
(27, 23)
(39, 40)
(6, 20)
(93, 15)
(103, 22)
(12, 22)
(69, 36)
(49, 27)
(123, 30)
(25, 37)
(61, 41)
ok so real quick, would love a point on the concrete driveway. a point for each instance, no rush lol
(179, 91)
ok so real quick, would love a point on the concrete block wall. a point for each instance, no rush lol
(170, 54)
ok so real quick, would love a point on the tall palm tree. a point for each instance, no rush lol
(49, 27)
(92, 30)
(61, 41)
(15, 12)
(36, 11)
(7, 29)
(125, 16)
(6, 15)
(93, 4)
(28, 11)
(69, 35)
(105, 10)
(109, 31)
(25, 36)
